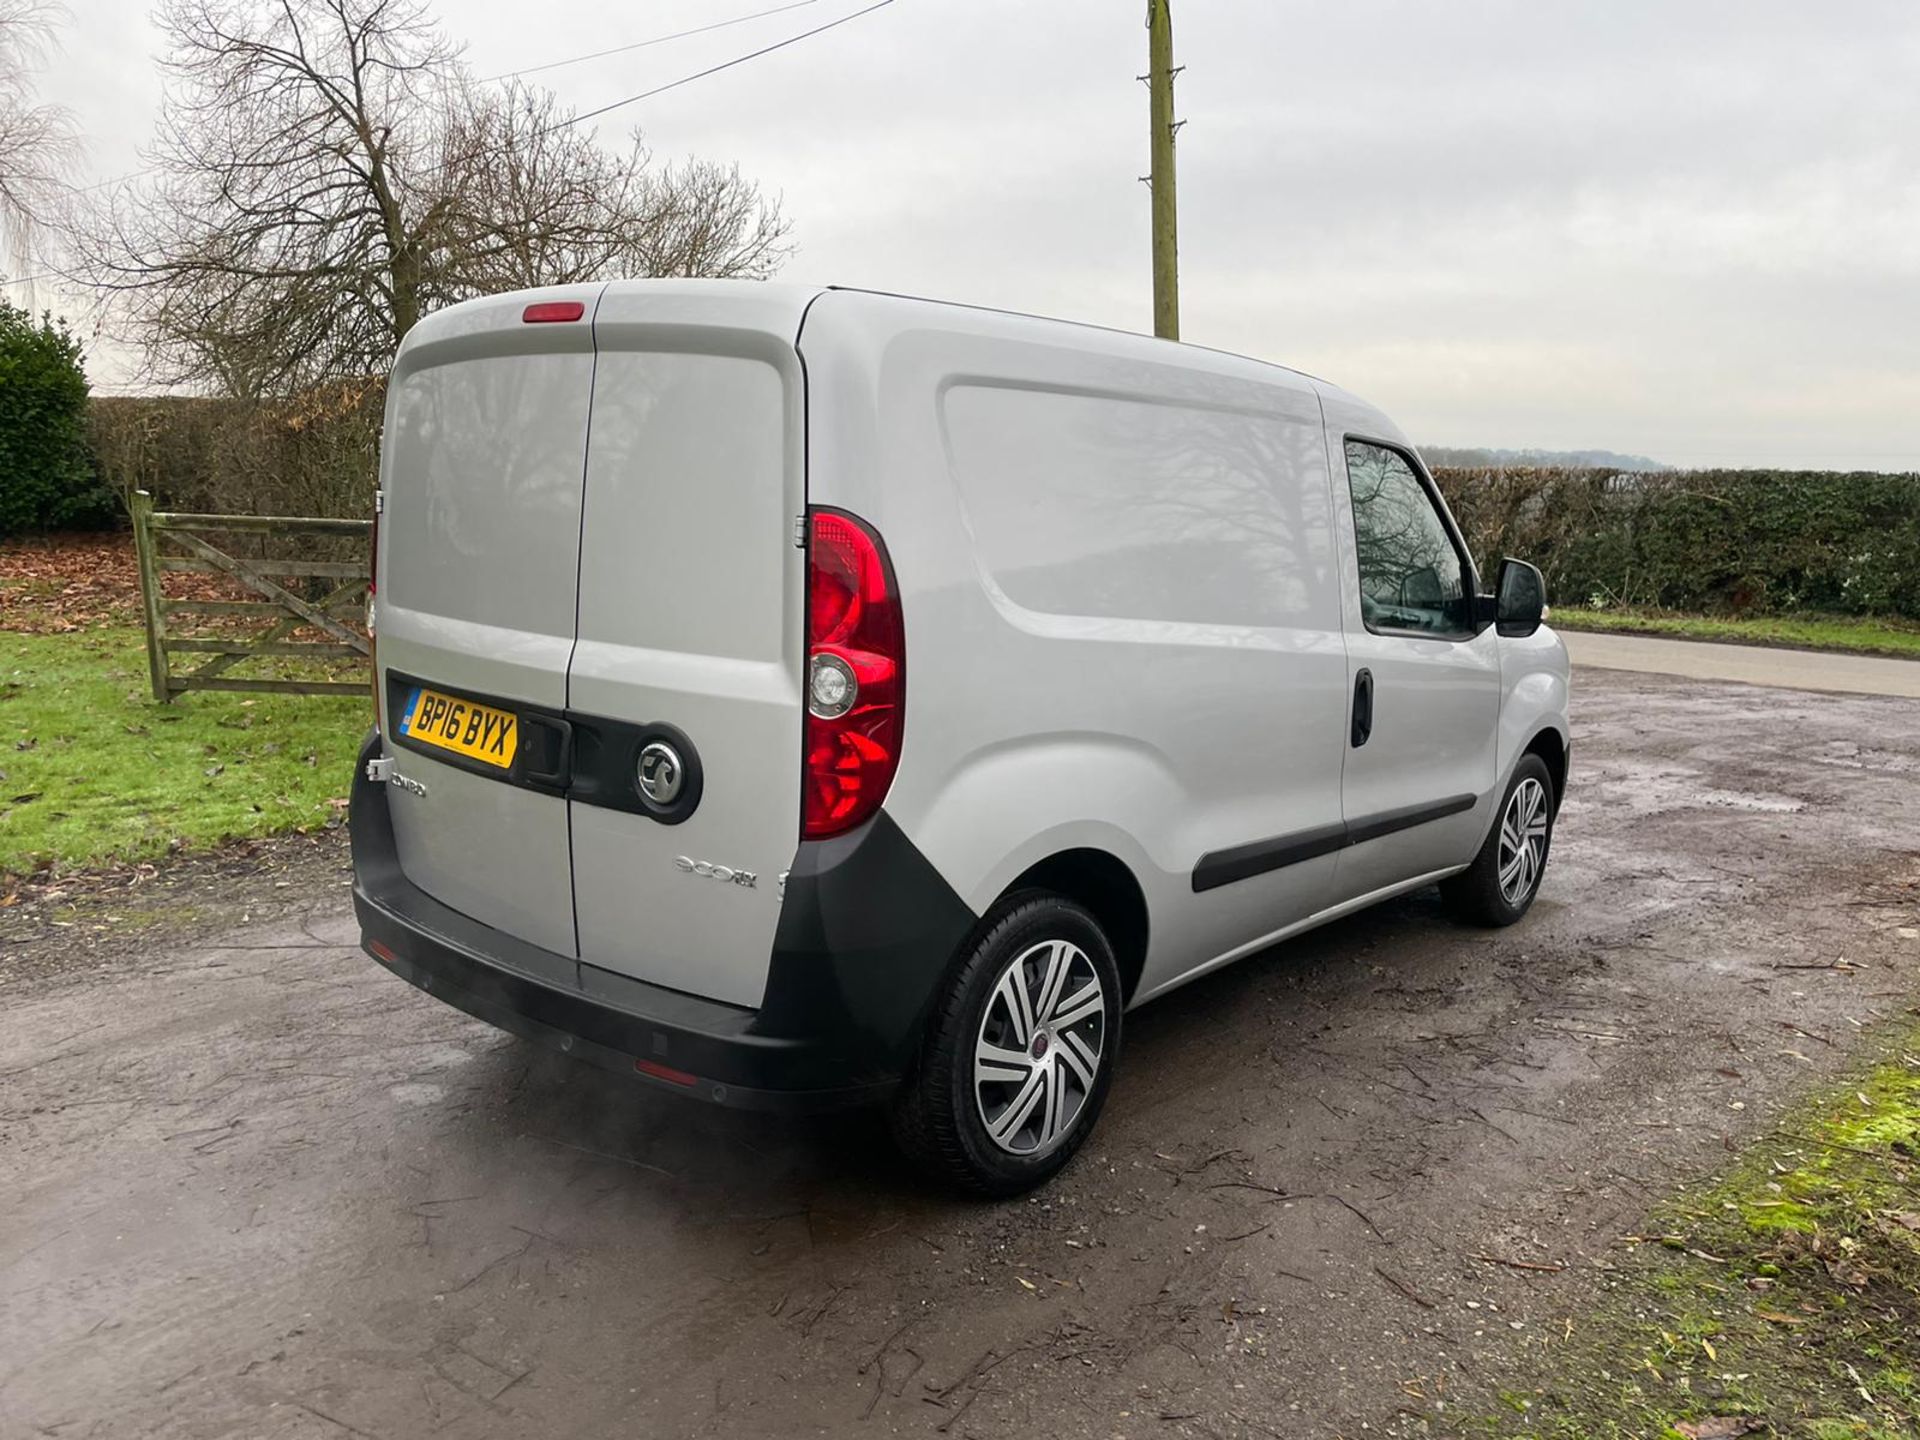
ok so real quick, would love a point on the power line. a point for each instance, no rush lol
(102, 184)
(716, 69)
(534, 70)
(631, 99)
(656, 40)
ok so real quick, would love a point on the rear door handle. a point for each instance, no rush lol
(556, 751)
(1362, 707)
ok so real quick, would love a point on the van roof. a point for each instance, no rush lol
(784, 299)
(1354, 410)
(1077, 325)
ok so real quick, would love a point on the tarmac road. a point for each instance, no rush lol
(260, 1188)
(1750, 664)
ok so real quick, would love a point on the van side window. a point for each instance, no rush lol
(1411, 577)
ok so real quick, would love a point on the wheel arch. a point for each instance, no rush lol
(1551, 746)
(1102, 882)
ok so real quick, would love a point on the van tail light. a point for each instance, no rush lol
(856, 674)
(549, 312)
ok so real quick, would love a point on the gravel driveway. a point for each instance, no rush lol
(262, 1188)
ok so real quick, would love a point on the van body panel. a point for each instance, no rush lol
(1131, 595)
(481, 462)
(1436, 704)
(1267, 939)
(1105, 546)
(1533, 679)
(690, 615)
(1436, 707)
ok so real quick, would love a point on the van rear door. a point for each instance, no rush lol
(690, 632)
(481, 466)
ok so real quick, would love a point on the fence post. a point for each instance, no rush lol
(151, 599)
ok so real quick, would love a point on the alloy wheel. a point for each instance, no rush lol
(1039, 1049)
(1523, 840)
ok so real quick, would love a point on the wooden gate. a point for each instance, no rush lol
(173, 542)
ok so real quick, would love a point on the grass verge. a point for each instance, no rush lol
(1782, 1299)
(92, 770)
(1848, 633)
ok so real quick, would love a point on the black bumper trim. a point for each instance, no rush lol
(575, 1026)
(866, 933)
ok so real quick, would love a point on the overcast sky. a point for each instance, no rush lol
(1677, 228)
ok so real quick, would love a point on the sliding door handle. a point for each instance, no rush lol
(1362, 707)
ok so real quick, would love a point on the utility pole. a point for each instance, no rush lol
(1166, 245)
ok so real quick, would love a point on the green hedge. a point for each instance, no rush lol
(1717, 541)
(314, 454)
(46, 481)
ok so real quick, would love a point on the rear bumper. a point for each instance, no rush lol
(840, 1023)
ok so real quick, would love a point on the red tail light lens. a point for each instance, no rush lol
(548, 312)
(856, 674)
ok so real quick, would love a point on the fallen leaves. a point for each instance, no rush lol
(59, 584)
(1845, 1272)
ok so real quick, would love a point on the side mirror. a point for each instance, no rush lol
(1520, 599)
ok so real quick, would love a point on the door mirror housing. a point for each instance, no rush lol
(1520, 599)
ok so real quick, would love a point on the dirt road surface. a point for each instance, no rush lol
(260, 1188)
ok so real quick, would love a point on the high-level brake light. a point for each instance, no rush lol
(547, 312)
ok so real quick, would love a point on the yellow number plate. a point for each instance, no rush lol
(479, 732)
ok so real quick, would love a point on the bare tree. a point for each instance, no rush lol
(326, 172)
(36, 140)
(529, 200)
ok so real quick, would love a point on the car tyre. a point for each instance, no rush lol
(1019, 1053)
(1500, 885)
